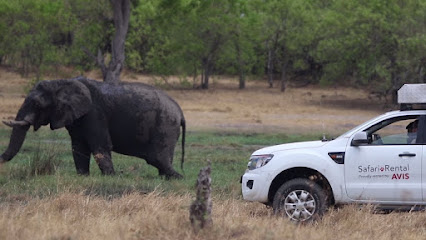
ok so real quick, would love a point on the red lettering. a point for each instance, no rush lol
(405, 176)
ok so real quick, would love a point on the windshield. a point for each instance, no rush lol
(363, 124)
(355, 128)
(393, 114)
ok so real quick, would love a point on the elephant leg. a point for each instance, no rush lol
(103, 159)
(91, 135)
(81, 155)
(81, 159)
(167, 171)
(97, 135)
(162, 160)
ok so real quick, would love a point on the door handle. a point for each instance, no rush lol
(407, 155)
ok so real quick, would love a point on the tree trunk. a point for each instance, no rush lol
(242, 81)
(205, 79)
(121, 10)
(395, 80)
(272, 46)
(242, 77)
(209, 60)
(314, 68)
(283, 76)
(206, 73)
(194, 76)
(111, 73)
(240, 62)
(270, 68)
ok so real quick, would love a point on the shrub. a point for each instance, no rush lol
(44, 161)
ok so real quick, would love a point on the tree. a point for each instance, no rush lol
(141, 35)
(378, 42)
(238, 56)
(193, 35)
(290, 30)
(208, 28)
(33, 34)
(121, 16)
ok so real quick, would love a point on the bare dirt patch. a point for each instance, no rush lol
(311, 109)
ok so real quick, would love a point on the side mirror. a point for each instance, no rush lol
(359, 139)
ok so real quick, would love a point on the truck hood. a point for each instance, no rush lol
(289, 146)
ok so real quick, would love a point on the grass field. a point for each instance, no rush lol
(137, 204)
(26, 174)
(42, 197)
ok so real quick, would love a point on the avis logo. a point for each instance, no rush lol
(401, 176)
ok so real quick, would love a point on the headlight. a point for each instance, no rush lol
(257, 161)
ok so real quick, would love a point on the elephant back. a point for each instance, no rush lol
(154, 98)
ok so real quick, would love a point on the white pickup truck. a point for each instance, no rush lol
(378, 162)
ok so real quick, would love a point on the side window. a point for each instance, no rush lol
(394, 131)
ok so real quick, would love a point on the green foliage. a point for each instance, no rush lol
(369, 42)
(377, 43)
(28, 32)
(92, 27)
(141, 34)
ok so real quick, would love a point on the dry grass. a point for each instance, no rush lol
(155, 216)
(164, 216)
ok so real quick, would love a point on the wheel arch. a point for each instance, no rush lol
(300, 172)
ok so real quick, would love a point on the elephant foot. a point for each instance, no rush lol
(170, 175)
(174, 175)
(108, 171)
(105, 164)
(83, 172)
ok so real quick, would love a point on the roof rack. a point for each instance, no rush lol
(412, 97)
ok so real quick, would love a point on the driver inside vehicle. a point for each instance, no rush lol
(412, 132)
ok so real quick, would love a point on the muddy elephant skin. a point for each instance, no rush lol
(134, 119)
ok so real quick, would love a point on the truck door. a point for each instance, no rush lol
(388, 167)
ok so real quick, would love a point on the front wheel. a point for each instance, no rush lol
(300, 200)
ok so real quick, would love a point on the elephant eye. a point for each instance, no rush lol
(39, 101)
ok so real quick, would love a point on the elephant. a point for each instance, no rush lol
(133, 119)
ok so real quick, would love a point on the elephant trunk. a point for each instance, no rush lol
(16, 140)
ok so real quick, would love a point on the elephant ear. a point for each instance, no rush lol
(72, 101)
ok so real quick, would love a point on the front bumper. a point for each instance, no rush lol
(255, 187)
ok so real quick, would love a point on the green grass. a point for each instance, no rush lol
(45, 167)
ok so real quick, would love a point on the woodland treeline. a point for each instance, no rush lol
(376, 43)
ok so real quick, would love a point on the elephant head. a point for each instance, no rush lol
(57, 102)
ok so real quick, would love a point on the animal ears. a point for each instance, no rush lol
(72, 101)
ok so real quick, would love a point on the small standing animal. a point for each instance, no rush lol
(129, 118)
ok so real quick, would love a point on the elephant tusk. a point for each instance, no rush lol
(13, 123)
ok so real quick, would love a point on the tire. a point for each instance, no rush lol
(300, 200)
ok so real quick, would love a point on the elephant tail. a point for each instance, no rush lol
(183, 124)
